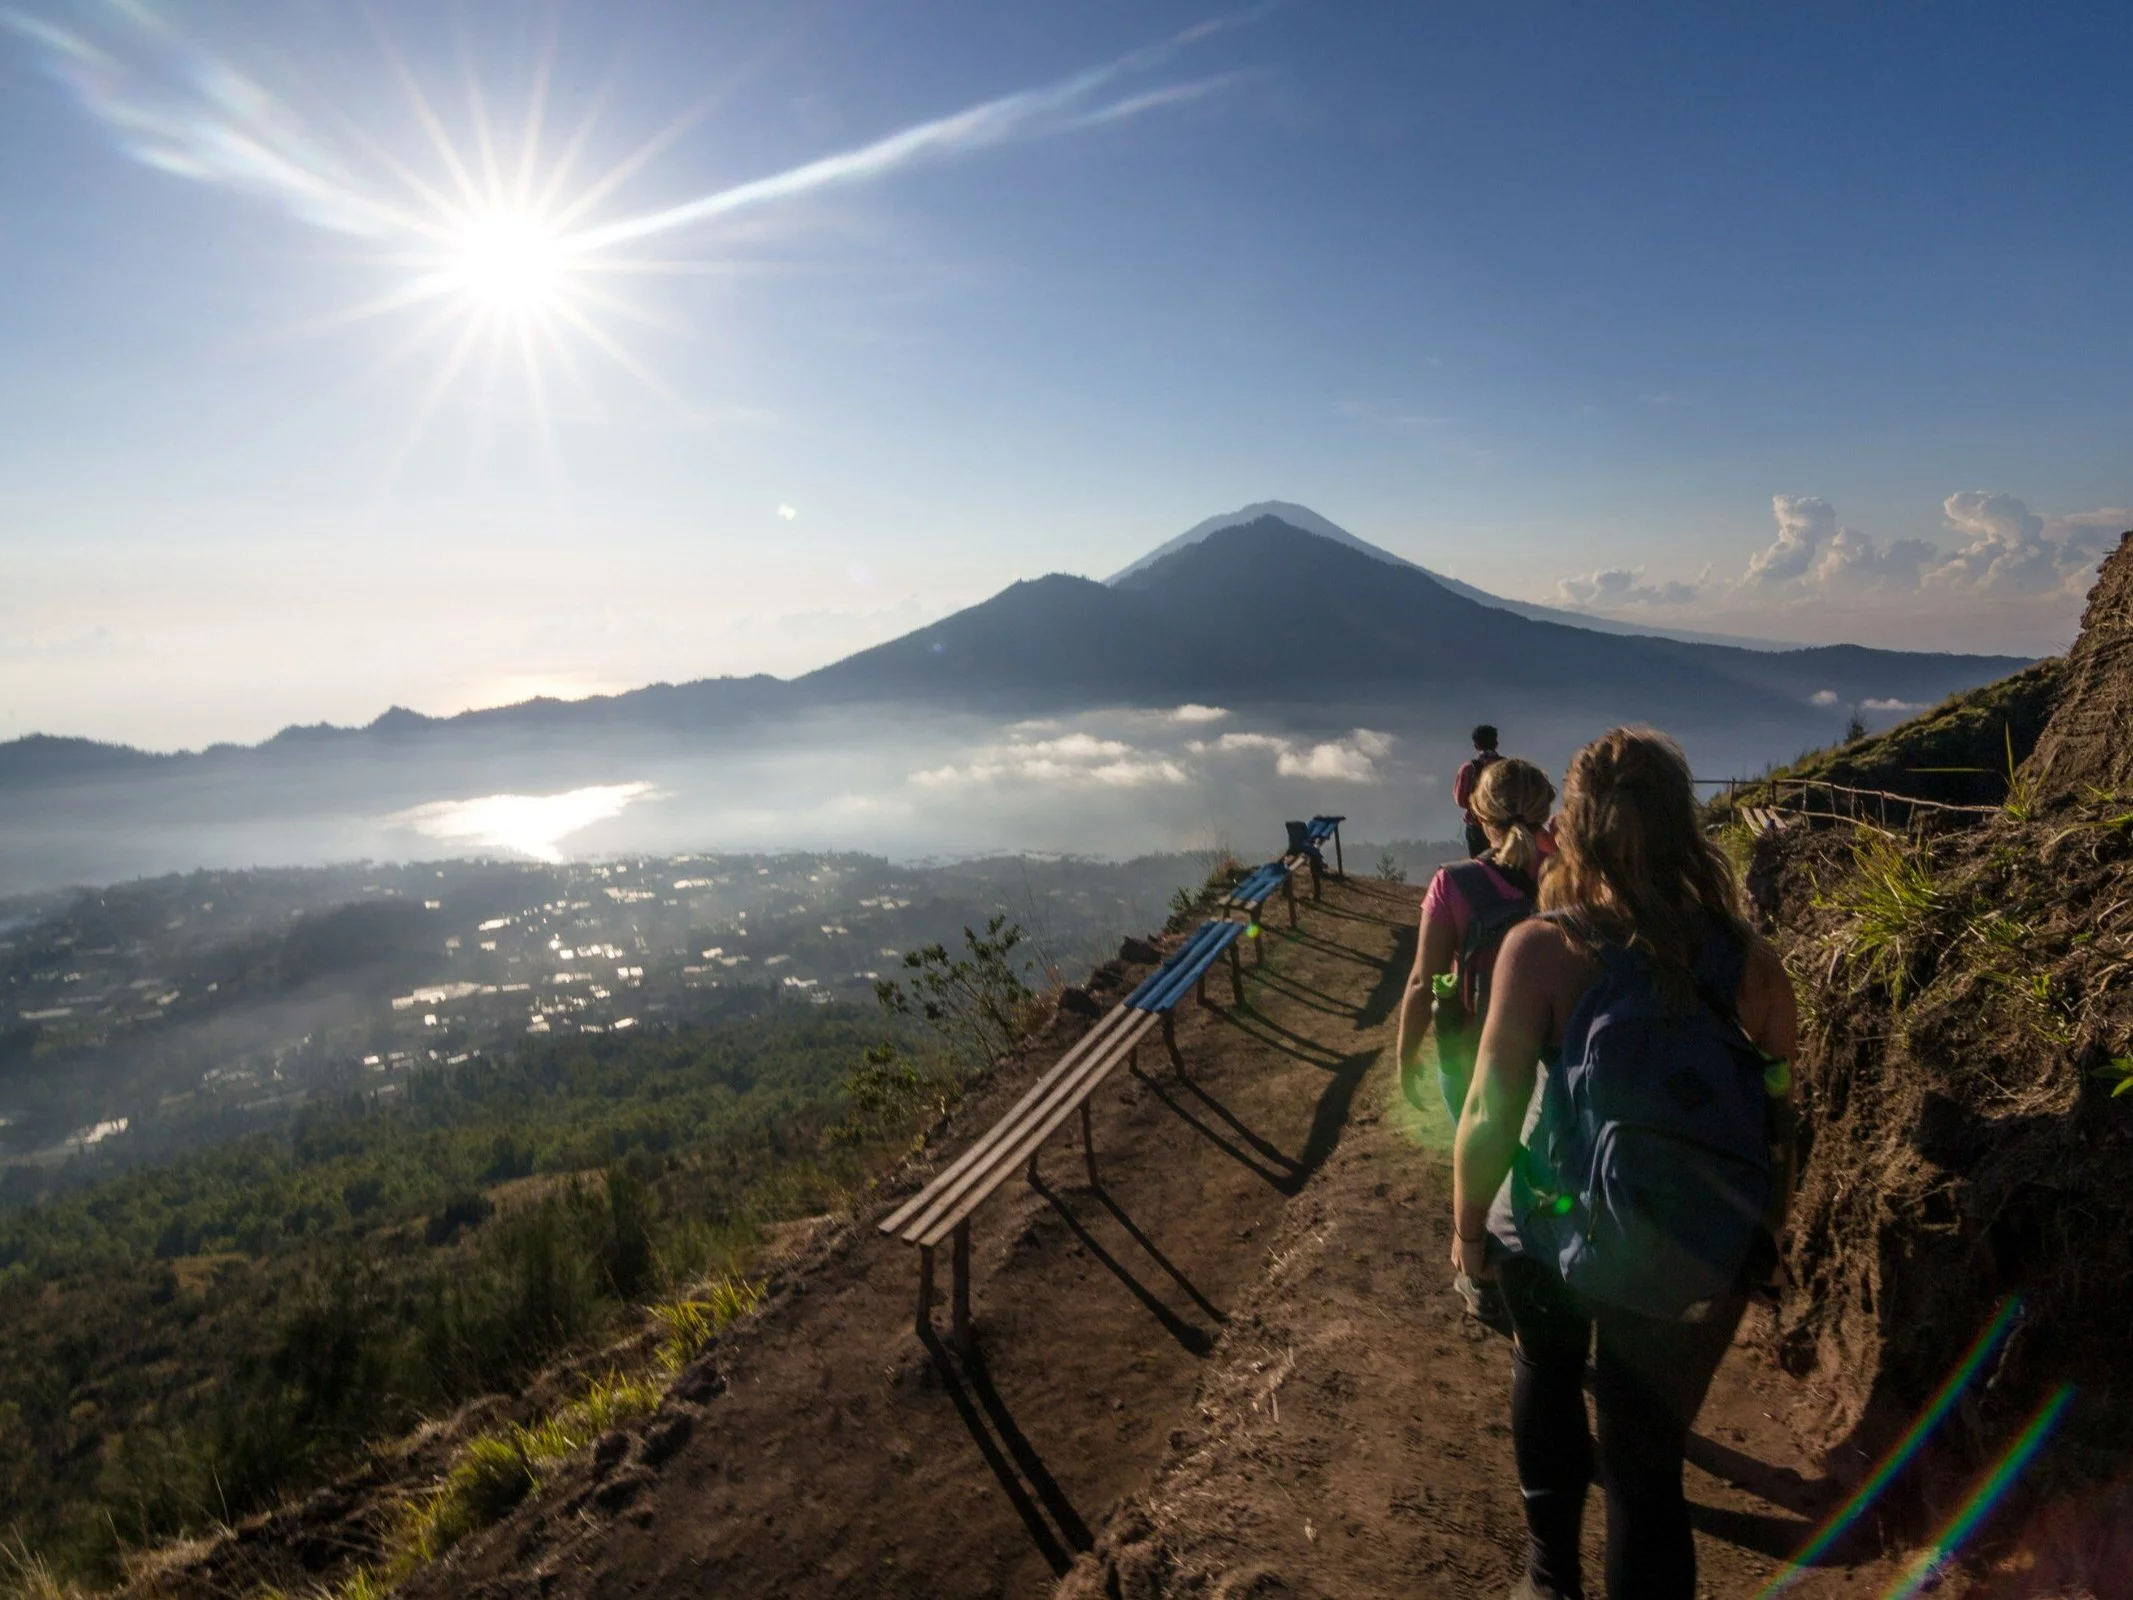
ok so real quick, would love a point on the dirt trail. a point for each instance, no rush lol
(1233, 1369)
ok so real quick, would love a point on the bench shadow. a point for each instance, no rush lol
(1282, 1177)
(1304, 994)
(1286, 1173)
(1324, 946)
(1253, 1023)
(1197, 1340)
(1392, 981)
(992, 1427)
(1326, 909)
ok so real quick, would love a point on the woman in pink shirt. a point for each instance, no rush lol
(1511, 801)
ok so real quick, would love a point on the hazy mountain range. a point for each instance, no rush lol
(1242, 611)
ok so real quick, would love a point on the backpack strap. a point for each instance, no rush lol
(1491, 913)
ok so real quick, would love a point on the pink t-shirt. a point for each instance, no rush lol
(1443, 899)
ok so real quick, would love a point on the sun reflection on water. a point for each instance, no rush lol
(532, 825)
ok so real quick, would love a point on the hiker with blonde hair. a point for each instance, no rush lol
(1469, 908)
(1641, 1205)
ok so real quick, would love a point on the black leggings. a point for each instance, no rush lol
(1649, 1383)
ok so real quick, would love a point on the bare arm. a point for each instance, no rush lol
(1770, 1014)
(1520, 1023)
(1434, 951)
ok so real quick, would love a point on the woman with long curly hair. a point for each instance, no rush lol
(1664, 1023)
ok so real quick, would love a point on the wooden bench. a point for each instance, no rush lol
(1254, 890)
(941, 1210)
(1307, 845)
(1764, 819)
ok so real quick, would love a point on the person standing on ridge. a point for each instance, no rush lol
(1468, 910)
(1477, 837)
(1639, 1200)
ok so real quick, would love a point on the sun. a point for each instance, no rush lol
(508, 262)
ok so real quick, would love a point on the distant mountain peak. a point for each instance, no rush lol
(1305, 520)
(1301, 518)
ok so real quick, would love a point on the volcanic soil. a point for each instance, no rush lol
(1234, 1368)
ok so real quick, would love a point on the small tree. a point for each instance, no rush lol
(1389, 868)
(974, 1003)
(1854, 727)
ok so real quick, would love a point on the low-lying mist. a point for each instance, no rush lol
(1108, 783)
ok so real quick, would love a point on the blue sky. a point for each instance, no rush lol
(1809, 321)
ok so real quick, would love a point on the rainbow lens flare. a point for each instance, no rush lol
(1899, 1455)
(1990, 1490)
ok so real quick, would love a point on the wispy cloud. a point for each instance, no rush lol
(176, 105)
(1073, 102)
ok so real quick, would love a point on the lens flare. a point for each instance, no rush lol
(1899, 1454)
(497, 244)
(1990, 1490)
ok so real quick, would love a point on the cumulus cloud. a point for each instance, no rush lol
(1070, 758)
(1338, 762)
(2006, 549)
(1813, 550)
(1350, 760)
(1823, 697)
(1618, 586)
(2009, 549)
(1198, 713)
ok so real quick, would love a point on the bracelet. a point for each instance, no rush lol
(1469, 1238)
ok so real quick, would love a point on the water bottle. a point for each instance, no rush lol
(1448, 1016)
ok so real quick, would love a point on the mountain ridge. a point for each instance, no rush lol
(1259, 612)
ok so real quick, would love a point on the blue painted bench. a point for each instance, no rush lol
(941, 1210)
(1254, 890)
(1307, 844)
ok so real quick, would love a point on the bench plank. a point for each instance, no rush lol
(1092, 1040)
(940, 1219)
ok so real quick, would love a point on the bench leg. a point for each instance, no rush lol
(1170, 1041)
(1288, 891)
(1236, 975)
(1199, 990)
(959, 1292)
(1088, 1146)
(1340, 865)
(1258, 944)
(925, 1290)
(1318, 871)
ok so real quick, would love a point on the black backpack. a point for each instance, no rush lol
(1649, 1174)
(1491, 915)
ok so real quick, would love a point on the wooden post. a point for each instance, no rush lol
(1253, 932)
(961, 1287)
(1236, 975)
(1340, 864)
(1088, 1146)
(1170, 1040)
(1288, 890)
(925, 1290)
(1199, 989)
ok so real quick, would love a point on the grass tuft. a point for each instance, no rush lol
(1892, 897)
(689, 1324)
(27, 1576)
(492, 1475)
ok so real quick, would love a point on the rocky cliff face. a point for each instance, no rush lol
(1968, 990)
(2088, 743)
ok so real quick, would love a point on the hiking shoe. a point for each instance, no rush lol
(1484, 1303)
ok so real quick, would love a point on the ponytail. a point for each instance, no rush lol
(1512, 798)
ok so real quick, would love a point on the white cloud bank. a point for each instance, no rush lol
(2018, 572)
(1092, 759)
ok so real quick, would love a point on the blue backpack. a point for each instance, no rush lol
(1648, 1174)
